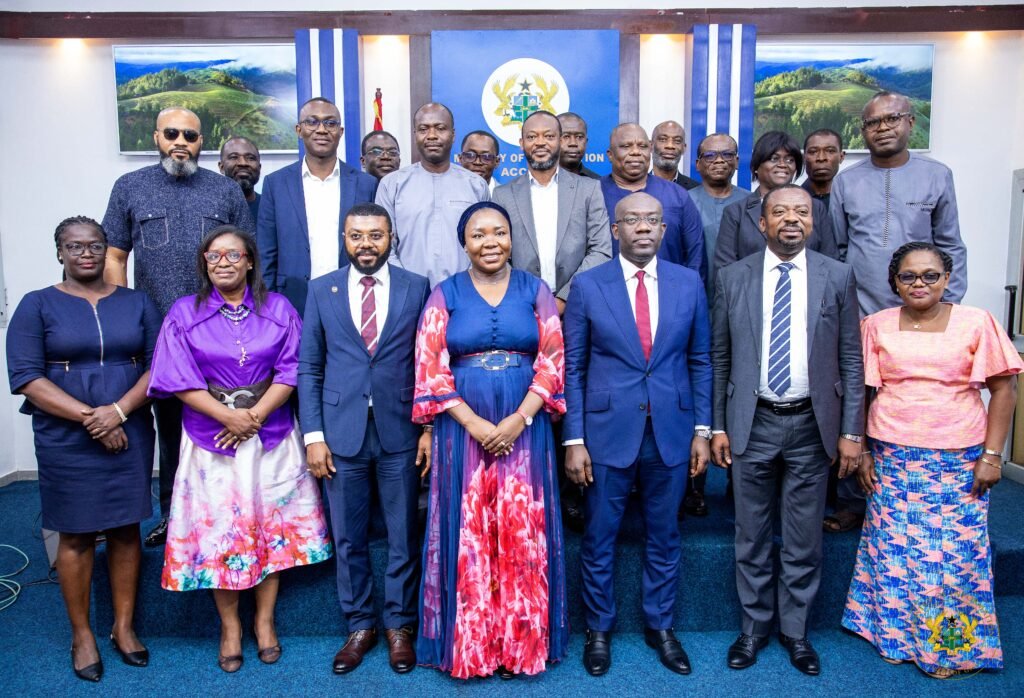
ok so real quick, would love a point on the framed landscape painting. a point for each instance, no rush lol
(235, 89)
(799, 88)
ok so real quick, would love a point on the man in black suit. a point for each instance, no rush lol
(788, 388)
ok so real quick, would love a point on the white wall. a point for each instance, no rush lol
(59, 143)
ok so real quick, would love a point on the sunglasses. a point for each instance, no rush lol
(172, 134)
(234, 256)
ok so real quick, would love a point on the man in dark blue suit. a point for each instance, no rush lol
(299, 228)
(356, 380)
(638, 392)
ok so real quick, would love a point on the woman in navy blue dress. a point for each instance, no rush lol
(79, 352)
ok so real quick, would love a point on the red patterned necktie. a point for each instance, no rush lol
(643, 315)
(368, 327)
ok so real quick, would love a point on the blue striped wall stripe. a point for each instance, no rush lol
(327, 65)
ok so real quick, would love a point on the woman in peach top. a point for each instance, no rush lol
(922, 586)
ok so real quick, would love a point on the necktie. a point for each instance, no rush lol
(778, 352)
(643, 315)
(368, 327)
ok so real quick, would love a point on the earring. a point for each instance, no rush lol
(60, 259)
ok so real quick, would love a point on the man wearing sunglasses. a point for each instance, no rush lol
(300, 229)
(480, 154)
(892, 198)
(161, 212)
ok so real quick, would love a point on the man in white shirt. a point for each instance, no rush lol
(302, 207)
(480, 153)
(355, 387)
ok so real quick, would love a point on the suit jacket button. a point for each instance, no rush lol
(643, 406)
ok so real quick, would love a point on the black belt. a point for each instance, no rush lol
(783, 408)
(240, 397)
(497, 360)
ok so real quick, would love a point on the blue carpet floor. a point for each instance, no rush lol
(181, 630)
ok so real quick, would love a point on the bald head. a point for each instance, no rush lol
(175, 113)
(434, 131)
(669, 146)
(629, 150)
(893, 100)
(639, 227)
(179, 138)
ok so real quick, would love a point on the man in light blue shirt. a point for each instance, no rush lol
(426, 199)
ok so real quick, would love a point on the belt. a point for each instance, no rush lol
(241, 397)
(782, 408)
(497, 360)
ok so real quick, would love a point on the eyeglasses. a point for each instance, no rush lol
(470, 156)
(633, 220)
(889, 120)
(377, 152)
(77, 249)
(909, 278)
(172, 134)
(775, 159)
(313, 123)
(710, 156)
(233, 256)
(372, 237)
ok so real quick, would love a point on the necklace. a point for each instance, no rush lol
(236, 316)
(489, 283)
(918, 324)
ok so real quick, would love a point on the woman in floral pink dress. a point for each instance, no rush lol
(489, 372)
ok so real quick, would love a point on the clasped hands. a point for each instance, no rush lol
(104, 425)
(239, 426)
(497, 439)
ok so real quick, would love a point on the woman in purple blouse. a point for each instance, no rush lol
(244, 505)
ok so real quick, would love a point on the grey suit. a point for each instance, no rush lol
(804, 441)
(584, 236)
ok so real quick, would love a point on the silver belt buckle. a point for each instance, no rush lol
(488, 362)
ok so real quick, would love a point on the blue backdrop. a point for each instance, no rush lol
(492, 79)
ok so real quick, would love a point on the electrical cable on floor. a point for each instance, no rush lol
(10, 589)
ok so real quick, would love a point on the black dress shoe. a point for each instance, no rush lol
(597, 652)
(158, 536)
(139, 658)
(572, 517)
(743, 652)
(670, 652)
(504, 674)
(801, 654)
(694, 504)
(93, 672)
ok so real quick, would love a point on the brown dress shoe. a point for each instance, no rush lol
(356, 646)
(401, 652)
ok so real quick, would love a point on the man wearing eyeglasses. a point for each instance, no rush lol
(161, 212)
(304, 205)
(426, 199)
(480, 154)
(877, 205)
(380, 154)
(823, 154)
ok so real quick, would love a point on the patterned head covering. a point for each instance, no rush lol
(468, 213)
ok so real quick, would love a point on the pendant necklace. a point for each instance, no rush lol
(236, 316)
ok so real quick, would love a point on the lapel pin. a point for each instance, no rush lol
(334, 289)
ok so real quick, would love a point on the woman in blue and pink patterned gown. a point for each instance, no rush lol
(244, 505)
(489, 375)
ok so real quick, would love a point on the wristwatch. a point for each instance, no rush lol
(856, 438)
(526, 418)
(703, 433)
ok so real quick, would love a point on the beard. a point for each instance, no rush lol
(545, 165)
(247, 185)
(179, 168)
(371, 268)
(666, 163)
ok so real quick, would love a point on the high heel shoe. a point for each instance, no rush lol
(139, 658)
(93, 672)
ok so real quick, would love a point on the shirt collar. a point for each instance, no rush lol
(534, 182)
(306, 172)
(771, 261)
(382, 275)
(629, 269)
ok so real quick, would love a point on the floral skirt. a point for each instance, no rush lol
(234, 521)
(922, 586)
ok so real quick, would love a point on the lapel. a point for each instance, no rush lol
(613, 287)
(340, 303)
(668, 309)
(294, 185)
(566, 197)
(817, 279)
(521, 197)
(753, 211)
(396, 304)
(753, 290)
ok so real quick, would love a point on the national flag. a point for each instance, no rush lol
(378, 112)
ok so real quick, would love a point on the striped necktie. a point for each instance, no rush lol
(368, 327)
(778, 351)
